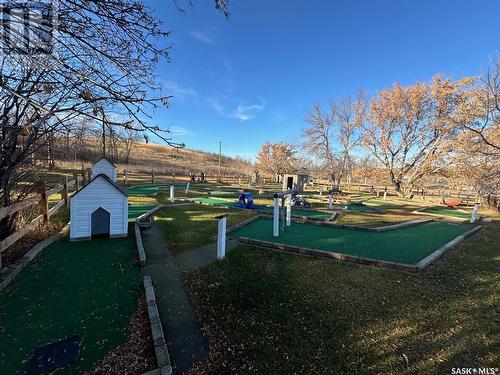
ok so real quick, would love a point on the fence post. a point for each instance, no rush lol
(43, 205)
(125, 176)
(173, 177)
(84, 176)
(75, 177)
(64, 192)
(152, 176)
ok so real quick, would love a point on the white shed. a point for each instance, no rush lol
(104, 166)
(99, 209)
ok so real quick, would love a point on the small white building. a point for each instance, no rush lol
(100, 208)
(296, 182)
(104, 166)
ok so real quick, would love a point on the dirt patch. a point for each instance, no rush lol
(23, 245)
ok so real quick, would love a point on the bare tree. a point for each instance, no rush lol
(332, 135)
(101, 60)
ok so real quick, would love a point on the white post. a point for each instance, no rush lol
(474, 213)
(171, 193)
(221, 236)
(187, 188)
(385, 194)
(378, 193)
(321, 190)
(330, 201)
(289, 210)
(276, 217)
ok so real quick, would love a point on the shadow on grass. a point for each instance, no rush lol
(278, 313)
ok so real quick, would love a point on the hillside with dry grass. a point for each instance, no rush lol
(145, 158)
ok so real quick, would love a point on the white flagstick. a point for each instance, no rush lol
(221, 236)
(187, 188)
(276, 217)
(289, 210)
(474, 213)
(171, 193)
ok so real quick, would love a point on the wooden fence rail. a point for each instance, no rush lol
(41, 199)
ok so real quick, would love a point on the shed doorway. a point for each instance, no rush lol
(100, 220)
(289, 183)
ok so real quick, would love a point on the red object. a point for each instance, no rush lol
(452, 202)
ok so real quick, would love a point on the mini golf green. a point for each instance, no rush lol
(300, 212)
(88, 288)
(214, 201)
(447, 211)
(135, 211)
(149, 189)
(407, 245)
(360, 208)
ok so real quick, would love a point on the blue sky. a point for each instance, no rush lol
(253, 77)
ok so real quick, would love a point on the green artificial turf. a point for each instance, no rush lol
(300, 212)
(135, 211)
(89, 289)
(446, 211)
(214, 201)
(149, 189)
(406, 245)
(360, 208)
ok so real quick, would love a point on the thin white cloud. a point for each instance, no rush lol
(241, 112)
(180, 91)
(202, 36)
(180, 131)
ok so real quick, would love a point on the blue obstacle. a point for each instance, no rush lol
(246, 200)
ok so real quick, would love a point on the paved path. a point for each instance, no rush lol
(186, 342)
(192, 260)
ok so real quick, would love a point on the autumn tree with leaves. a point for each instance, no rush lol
(277, 158)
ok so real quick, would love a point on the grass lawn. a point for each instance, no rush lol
(271, 312)
(88, 288)
(189, 227)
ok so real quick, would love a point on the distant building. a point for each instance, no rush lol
(296, 182)
(104, 166)
(100, 208)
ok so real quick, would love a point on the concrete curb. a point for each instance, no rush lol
(138, 236)
(140, 246)
(161, 351)
(431, 258)
(150, 212)
(14, 269)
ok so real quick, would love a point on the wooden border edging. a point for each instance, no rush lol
(431, 258)
(160, 345)
(329, 254)
(30, 255)
(243, 223)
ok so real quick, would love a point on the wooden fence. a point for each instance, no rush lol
(42, 201)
